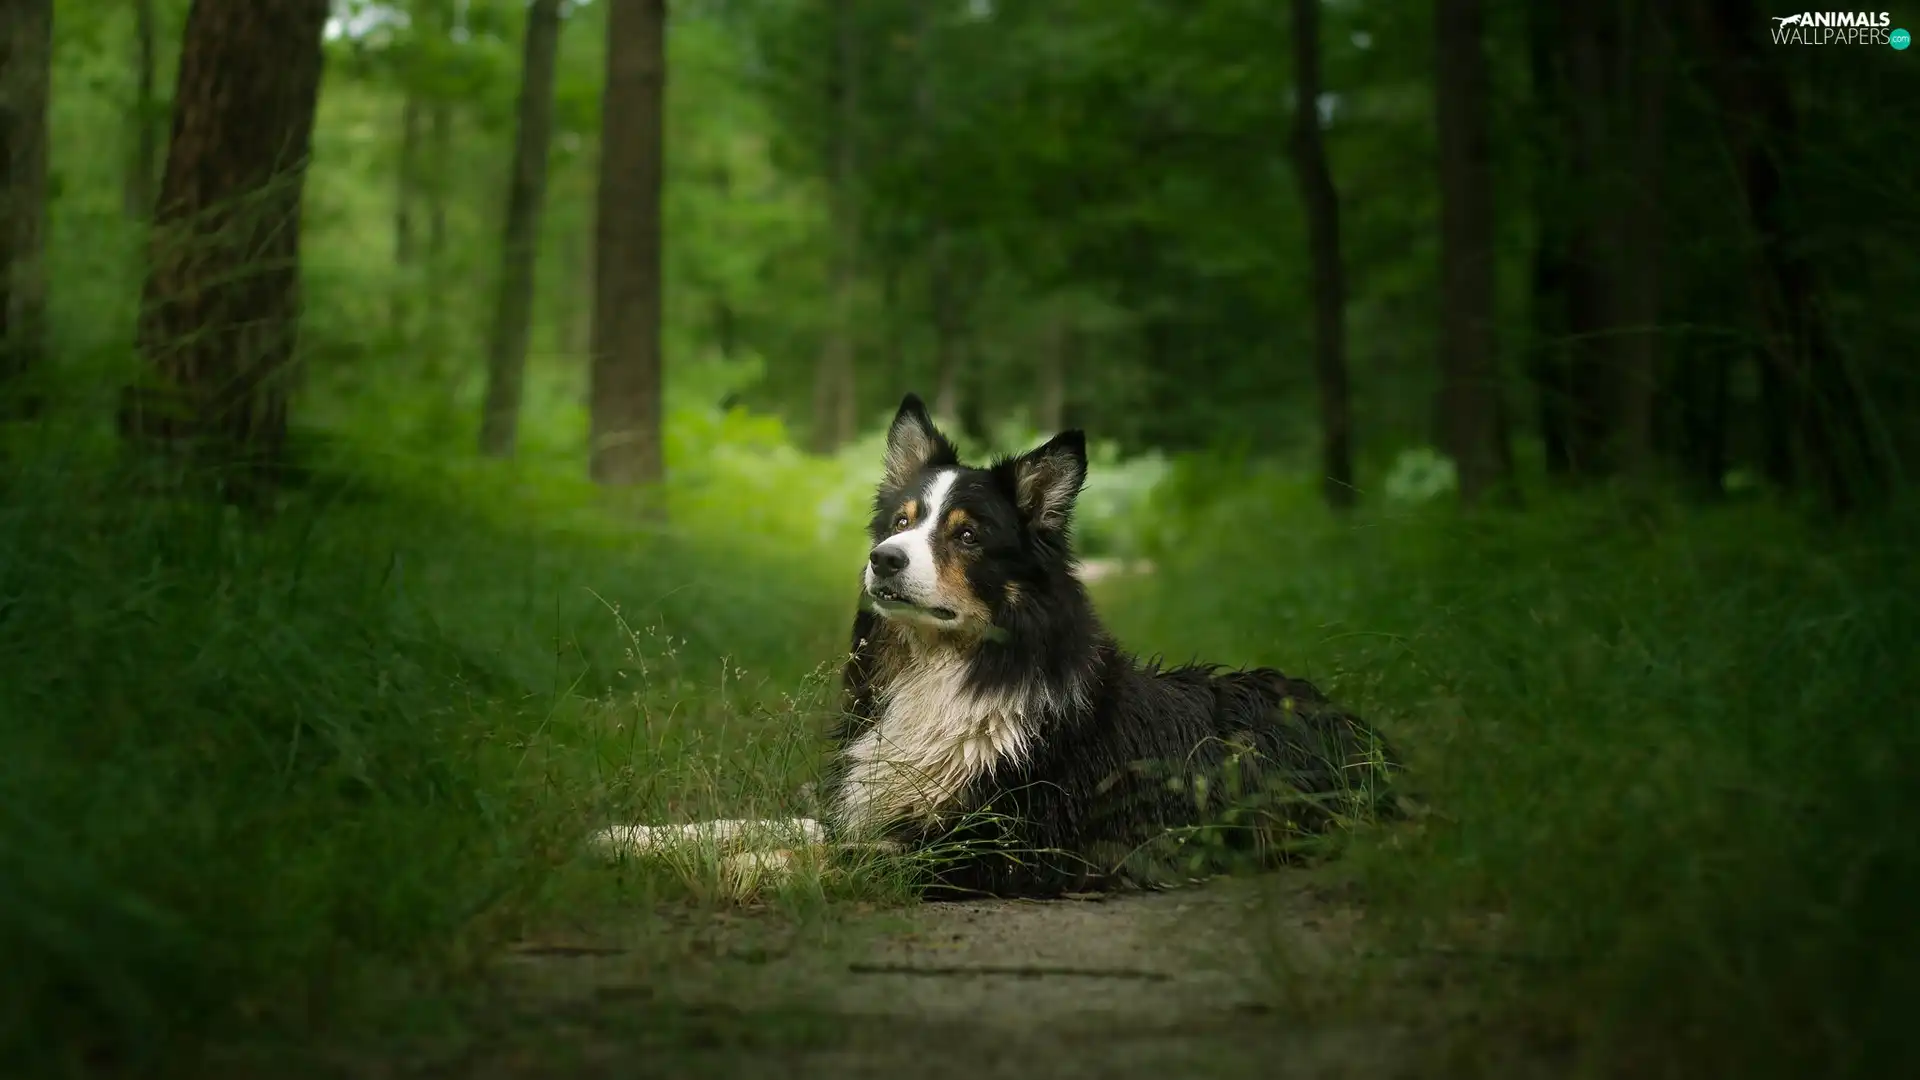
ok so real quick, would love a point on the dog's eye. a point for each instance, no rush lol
(900, 522)
(966, 536)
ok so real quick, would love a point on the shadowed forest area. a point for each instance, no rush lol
(431, 430)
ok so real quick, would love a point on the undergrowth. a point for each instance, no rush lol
(247, 766)
(1670, 754)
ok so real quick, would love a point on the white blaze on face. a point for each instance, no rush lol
(919, 582)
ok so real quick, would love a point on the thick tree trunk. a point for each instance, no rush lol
(406, 192)
(626, 389)
(1471, 429)
(25, 82)
(526, 194)
(146, 138)
(221, 306)
(1322, 203)
(835, 399)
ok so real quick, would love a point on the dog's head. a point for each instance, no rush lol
(955, 546)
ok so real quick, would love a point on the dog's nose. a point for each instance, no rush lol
(887, 561)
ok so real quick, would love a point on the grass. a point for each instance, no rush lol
(1671, 753)
(269, 779)
(246, 768)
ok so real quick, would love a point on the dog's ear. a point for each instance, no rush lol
(1047, 480)
(913, 443)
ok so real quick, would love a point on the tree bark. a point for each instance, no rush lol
(626, 383)
(221, 305)
(526, 195)
(25, 81)
(1471, 430)
(1322, 203)
(835, 405)
(146, 142)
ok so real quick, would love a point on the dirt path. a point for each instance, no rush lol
(1163, 985)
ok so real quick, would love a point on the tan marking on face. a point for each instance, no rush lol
(957, 518)
(950, 571)
(911, 508)
(1013, 594)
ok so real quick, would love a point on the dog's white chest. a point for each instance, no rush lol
(934, 736)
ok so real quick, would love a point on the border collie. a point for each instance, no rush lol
(994, 727)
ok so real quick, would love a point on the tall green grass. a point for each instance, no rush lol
(247, 766)
(1672, 753)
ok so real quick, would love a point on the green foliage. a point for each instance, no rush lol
(1663, 748)
(246, 767)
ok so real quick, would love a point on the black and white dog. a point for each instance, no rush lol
(992, 725)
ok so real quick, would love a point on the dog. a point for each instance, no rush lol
(993, 727)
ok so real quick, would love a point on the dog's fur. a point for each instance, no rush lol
(993, 725)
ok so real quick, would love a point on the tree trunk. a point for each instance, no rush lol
(146, 140)
(25, 81)
(406, 191)
(1322, 203)
(1639, 281)
(835, 404)
(1552, 274)
(526, 194)
(626, 406)
(1592, 192)
(1808, 396)
(438, 178)
(1471, 429)
(221, 306)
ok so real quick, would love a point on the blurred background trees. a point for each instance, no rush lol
(1633, 240)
